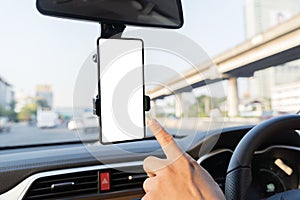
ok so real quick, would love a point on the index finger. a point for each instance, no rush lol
(166, 141)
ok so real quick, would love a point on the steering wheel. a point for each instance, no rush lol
(239, 172)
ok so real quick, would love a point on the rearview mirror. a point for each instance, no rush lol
(149, 13)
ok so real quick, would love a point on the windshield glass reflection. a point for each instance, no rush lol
(39, 70)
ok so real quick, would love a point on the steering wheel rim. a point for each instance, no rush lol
(239, 172)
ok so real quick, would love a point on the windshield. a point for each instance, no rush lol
(243, 70)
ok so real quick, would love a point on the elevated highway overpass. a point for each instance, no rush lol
(276, 46)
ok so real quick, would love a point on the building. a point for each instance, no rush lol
(286, 98)
(285, 94)
(44, 92)
(260, 16)
(6, 94)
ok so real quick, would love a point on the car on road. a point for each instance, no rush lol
(4, 124)
(270, 114)
(75, 124)
(47, 119)
(87, 122)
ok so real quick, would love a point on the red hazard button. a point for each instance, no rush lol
(104, 181)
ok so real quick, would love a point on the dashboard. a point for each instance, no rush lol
(275, 169)
(92, 171)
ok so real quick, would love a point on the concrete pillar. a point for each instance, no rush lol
(233, 97)
(207, 105)
(178, 105)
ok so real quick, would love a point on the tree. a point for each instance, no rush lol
(12, 105)
(27, 111)
(2, 111)
(10, 113)
(204, 103)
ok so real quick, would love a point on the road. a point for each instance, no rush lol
(23, 134)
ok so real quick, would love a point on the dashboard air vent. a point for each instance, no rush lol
(121, 180)
(64, 186)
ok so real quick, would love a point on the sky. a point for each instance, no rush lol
(36, 49)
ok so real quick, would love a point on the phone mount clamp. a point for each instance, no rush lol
(111, 31)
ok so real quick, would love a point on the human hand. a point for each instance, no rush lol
(178, 176)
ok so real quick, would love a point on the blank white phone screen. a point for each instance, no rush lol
(121, 90)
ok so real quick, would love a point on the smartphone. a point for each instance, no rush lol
(121, 90)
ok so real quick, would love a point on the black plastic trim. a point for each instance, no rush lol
(106, 21)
